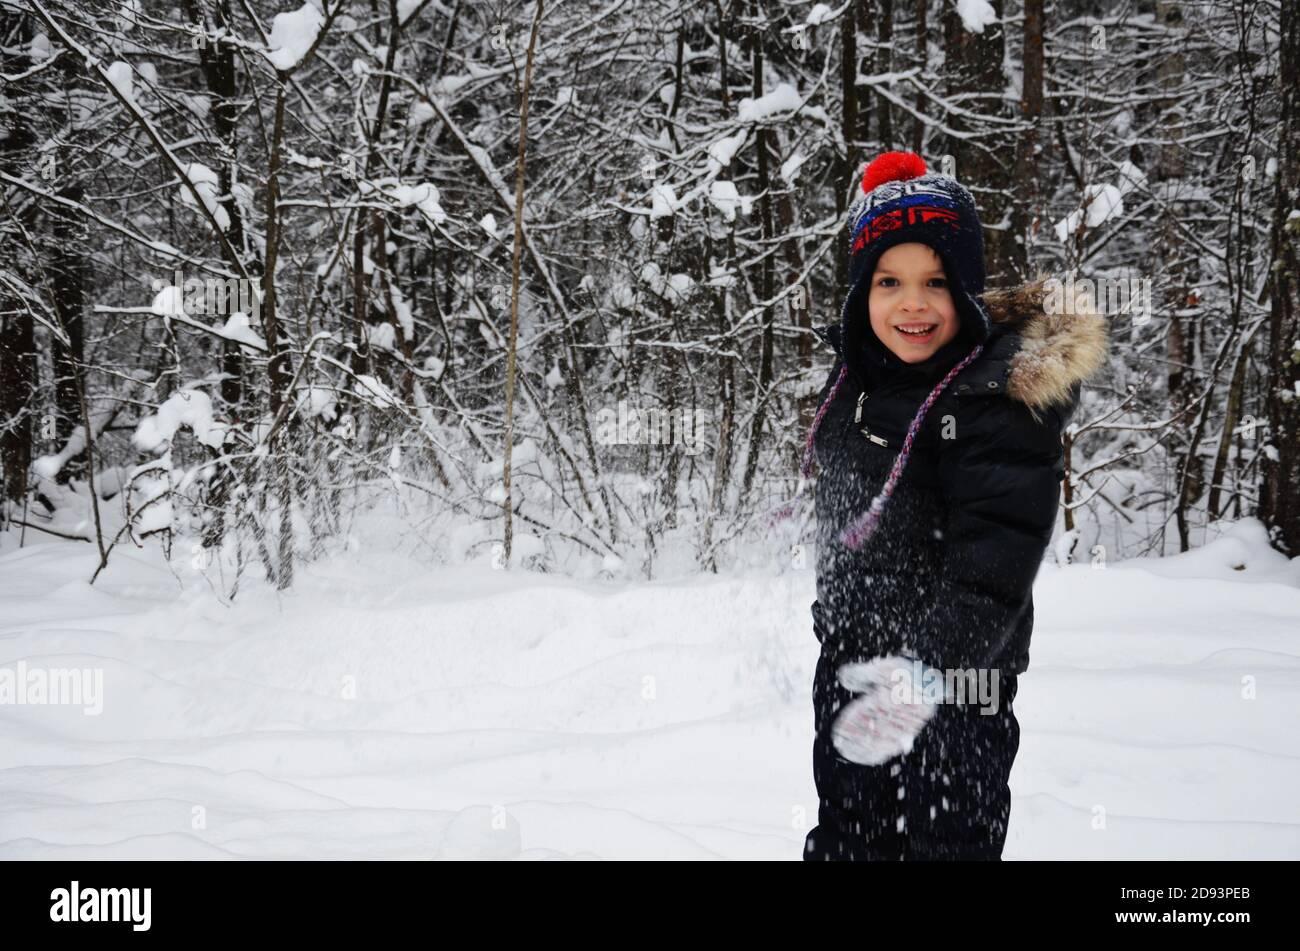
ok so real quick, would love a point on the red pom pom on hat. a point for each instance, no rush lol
(892, 167)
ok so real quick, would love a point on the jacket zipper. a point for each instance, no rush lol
(857, 418)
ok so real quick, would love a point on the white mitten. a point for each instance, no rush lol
(895, 705)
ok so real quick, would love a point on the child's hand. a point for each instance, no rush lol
(878, 725)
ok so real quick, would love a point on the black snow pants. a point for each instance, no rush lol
(945, 799)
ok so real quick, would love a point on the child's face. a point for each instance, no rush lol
(909, 291)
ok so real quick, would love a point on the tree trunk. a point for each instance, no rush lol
(1027, 210)
(922, 12)
(884, 63)
(67, 273)
(508, 511)
(278, 364)
(765, 358)
(17, 384)
(18, 367)
(974, 67)
(1280, 499)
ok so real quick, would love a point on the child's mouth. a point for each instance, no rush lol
(917, 333)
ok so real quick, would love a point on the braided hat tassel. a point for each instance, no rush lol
(864, 526)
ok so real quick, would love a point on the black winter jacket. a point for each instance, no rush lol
(948, 575)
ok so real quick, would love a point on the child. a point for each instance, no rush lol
(939, 444)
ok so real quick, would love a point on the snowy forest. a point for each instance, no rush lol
(542, 278)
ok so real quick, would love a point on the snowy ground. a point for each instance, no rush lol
(384, 709)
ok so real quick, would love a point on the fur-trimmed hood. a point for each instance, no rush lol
(1055, 352)
(1035, 357)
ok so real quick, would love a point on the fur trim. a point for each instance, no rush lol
(1056, 352)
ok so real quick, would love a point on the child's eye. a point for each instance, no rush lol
(935, 281)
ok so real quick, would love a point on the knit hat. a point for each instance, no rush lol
(901, 202)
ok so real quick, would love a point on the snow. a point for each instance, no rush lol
(421, 112)
(402, 310)
(1103, 202)
(724, 150)
(676, 287)
(447, 86)
(119, 74)
(423, 196)
(384, 709)
(206, 184)
(128, 16)
(39, 49)
(372, 389)
(47, 467)
(719, 276)
(192, 408)
(663, 201)
(976, 14)
(724, 196)
(652, 274)
(292, 35)
(484, 161)
(237, 329)
(150, 496)
(790, 167)
(820, 13)
(405, 9)
(621, 294)
(314, 401)
(1130, 177)
(383, 336)
(526, 545)
(785, 98)
(524, 452)
(169, 302)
